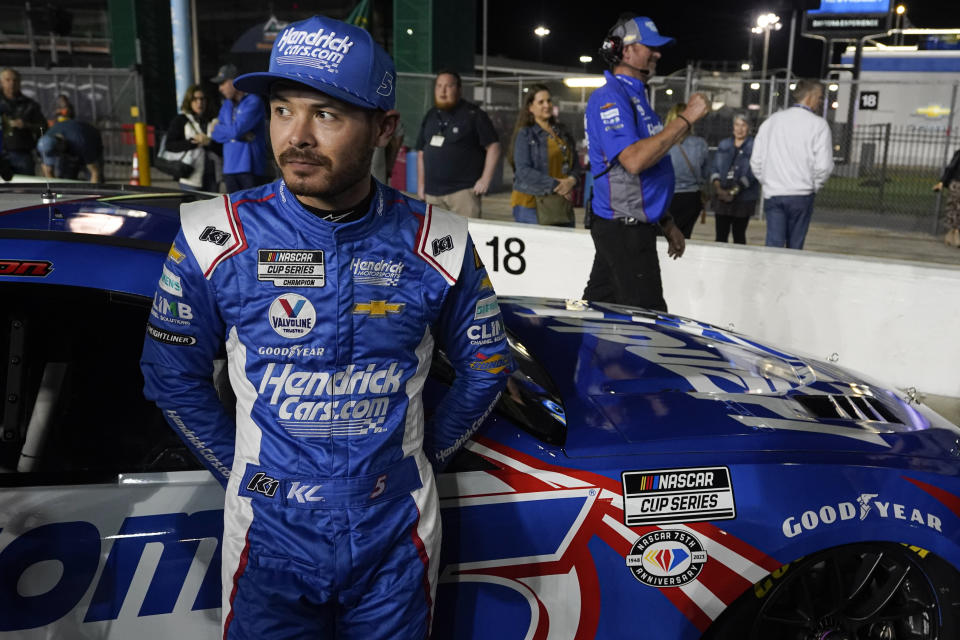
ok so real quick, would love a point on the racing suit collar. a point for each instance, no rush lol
(291, 206)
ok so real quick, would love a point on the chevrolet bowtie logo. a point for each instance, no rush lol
(933, 111)
(378, 308)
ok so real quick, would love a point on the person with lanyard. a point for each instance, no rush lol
(457, 150)
(633, 175)
(543, 158)
(328, 292)
(792, 158)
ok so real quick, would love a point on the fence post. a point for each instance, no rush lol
(946, 154)
(883, 167)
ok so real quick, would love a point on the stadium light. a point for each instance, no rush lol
(541, 31)
(586, 59)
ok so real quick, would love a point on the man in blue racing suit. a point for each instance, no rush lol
(327, 290)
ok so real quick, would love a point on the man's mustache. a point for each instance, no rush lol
(299, 155)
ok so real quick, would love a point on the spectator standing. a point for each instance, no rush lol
(457, 150)
(70, 147)
(187, 134)
(23, 123)
(689, 159)
(326, 289)
(951, 211)
(543, 156)
(633, 176)
(734, 184)
(241, 129)
(792, 158)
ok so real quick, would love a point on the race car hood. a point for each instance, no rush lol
(119, 211)
(634, 381)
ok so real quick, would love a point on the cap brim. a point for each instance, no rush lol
(660, 41)
(259, 83)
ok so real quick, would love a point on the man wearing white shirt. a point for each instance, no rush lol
(792, 158)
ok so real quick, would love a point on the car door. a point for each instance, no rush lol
(109, 528)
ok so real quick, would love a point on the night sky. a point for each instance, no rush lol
(705, 30)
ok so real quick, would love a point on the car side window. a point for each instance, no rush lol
(73, 408)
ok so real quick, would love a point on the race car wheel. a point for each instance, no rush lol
(871, 591)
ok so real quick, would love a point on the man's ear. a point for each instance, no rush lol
(386, 127)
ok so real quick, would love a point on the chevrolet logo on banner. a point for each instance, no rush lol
(933, 111)
(378, 308)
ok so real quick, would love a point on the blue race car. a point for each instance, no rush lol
(644, 475)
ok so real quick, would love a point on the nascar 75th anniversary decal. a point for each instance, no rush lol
(670, 496)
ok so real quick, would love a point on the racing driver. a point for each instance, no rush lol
(327, 291)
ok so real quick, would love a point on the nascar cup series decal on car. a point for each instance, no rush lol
(664, 496)
(379, 272)
(867, 505)
(666, 558)
(291, 267)
(292, 316)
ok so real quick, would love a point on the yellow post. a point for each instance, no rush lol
(143, 152)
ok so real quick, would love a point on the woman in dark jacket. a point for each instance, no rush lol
(188, 134)
(542, 154)
(735, 185)
(951, 211)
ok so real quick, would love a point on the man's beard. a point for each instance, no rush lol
(444, 105)
(324, 182)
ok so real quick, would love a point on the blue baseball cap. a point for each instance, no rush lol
(640, 30)
(333, 57)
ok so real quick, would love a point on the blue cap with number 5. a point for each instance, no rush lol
(333, 57)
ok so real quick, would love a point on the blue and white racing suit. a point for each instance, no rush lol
(332, 524)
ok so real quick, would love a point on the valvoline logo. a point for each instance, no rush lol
(292, 316)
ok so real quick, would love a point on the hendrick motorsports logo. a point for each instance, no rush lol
(867, 505)
(384, 273)
(666, 558)
(292, 316)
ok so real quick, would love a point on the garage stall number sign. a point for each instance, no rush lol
(670, 496)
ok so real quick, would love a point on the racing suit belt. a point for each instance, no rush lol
(339, 492)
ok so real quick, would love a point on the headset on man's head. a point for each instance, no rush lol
(612, 48)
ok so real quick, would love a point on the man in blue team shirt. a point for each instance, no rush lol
(241, 129)
(633, 184)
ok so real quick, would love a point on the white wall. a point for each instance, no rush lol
(891, 320)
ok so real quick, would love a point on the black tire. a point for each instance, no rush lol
(864, 591)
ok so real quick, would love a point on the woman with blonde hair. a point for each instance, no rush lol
(733, 181)
(544, 162)
(689, 158)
